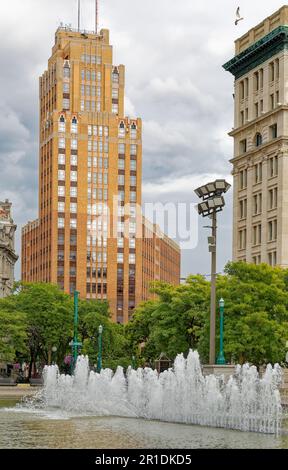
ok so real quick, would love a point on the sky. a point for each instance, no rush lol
(173, 52)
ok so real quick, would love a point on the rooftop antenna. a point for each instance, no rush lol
(79, 11)
(97, 15)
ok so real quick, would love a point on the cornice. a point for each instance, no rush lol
(259, 52)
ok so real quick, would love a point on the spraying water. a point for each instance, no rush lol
(179, 395)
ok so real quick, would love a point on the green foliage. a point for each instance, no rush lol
(255, 321)
(13, 334)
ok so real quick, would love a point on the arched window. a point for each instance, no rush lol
(121, 129)
(133, 130)
(74, 125)
(258, 139)
(61, 126)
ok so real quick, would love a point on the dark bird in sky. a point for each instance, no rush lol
(238, 16)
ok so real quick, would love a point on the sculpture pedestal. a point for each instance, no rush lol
(216, 369)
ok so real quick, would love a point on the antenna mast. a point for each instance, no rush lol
(79, 11)
(97, 15)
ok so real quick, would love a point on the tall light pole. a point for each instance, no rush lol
(212, 202)
(221, 358)
(99, 361)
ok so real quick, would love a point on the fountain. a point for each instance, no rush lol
(182, 394)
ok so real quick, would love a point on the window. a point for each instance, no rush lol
(121, 132)
(258, 173)
(74, 126)
(82, 105)
(115, 93)
(273, 167)
(61, 206)
(256, 107)
(242, 239)
(258, 139)
(82, 75)
(133, 196)
(256, 81)
(133, 181)
(66, 72)
(261, 78)
(115, 108)
(115, 76)
(61, 143)
(257, 204)
(241, 90)
(120, 257)
(277, 68)
(73, 191)
(257, 234)
(243, 179)
(61, 124)
(61, 191)
(120, 242)
(121, 149)
(246, 87)
(132, 258)
(73, 208)
(133, 149)
(132, 243)
(242, 118)
(133, 165)
(98, 76)
(271, 72)
(73, 160)
(121, 164)
(243, 146)
(73, 223)
(61, 175)
(121, 180)
(66, 103)
(61, 159)
(272, 257)
(243, 208)
(73, 175)
(88, 75)
(61, 222)
(273, 131)
(74, 144)
(133, 131)
(272, 103)
(66, 88)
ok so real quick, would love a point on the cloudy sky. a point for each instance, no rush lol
(173, 52)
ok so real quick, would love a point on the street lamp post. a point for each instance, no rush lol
(75, 344)
(133, 362)
(221, 358)
(99, 362)
(54, 350)
(212, 202)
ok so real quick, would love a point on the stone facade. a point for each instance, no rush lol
(260, 162)
(8, 256)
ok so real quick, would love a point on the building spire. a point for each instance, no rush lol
(96, 15)
(79, 12)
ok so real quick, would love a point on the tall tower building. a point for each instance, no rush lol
(8, 256)
(89, 234)
(260, 163)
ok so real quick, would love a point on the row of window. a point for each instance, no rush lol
(259, 108)
(91, 59)
(62, 193)
(272, 172)
(98, 146)
(91, 75)
(97, 163)
(131, 259)
(90, 90)
(62, 159)
(87, 105)
(98, 178)
(132, 243)
(98, 194)
(122, 149)
(121, 164)
(257, 234)
(61, 223)
(99, 256)
(258, 79)
(121, 180)
(62, 175)
(123, 130)
(73, 207)
(99, 272)
(62, 143)
(98, 131)
(121, 196)
(62, 125)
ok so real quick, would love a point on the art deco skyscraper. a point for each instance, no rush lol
(260, 163)
(89, 235)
